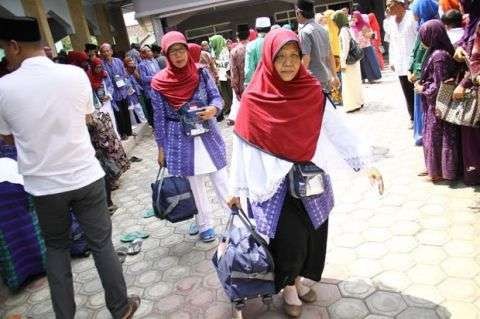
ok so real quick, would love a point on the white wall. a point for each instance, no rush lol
(14, 6)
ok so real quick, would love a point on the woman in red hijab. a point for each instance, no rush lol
(377, 40)
(185, 103)
(282, 119)
(78, 58)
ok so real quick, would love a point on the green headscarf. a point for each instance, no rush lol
(217, 43)
(340, 19)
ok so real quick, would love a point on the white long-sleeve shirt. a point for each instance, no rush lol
(402, 41)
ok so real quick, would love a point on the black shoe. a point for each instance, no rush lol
(135, 159)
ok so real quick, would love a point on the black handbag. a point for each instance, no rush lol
(355, 53)
(306, 180)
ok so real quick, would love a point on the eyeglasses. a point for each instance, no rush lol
(177, 51)
(282, 59)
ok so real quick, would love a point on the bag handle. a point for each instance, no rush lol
(161, 174)
(238, 212)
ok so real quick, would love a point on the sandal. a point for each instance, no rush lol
(293, 311)
(135, 247)
(208, 236)
(193, 230)
(126, 238)
(122, 254)
(149, 213)
(309, 297)
(133, 304)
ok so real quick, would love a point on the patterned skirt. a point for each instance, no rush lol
(105, 141)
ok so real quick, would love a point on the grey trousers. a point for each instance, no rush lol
(90, 208)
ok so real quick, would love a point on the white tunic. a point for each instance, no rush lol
(257, 175)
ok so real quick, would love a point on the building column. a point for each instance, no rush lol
(103, 24)
(82, 33)
(120, 34)
(35, 8)
(157, 29)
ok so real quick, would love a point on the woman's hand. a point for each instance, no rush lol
(376, 178)
(208, 113)
(459, 93)
(234, 202)
(161, 157)
(460, 54)
(418, 87)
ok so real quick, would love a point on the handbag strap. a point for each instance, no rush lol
(236, 211)
(161, 173)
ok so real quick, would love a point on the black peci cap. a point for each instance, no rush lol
(22, 29)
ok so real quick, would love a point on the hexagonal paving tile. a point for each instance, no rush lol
(392, 280)
(371, 250)
(397, 261)
(459, 289)
(386, 303)
(431, 255)
(366, 268)
(426, 274)
(402, 244)
(424, 296)
(433, 237)
(460, 267)
(356, 289)
(348, 308)
(460, 248)
(327, 294)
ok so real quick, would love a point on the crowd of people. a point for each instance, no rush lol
(432, 42)
(73, 158)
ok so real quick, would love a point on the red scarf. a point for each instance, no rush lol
(177, 85)
(195, 51)
(96, 79)
(283, 118)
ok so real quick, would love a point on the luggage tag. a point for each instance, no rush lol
(196, 124)
(119, 81)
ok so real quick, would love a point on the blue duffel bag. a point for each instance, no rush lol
(244, 265)
(172, 198)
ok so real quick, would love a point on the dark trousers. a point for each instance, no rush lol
(227, 95)
(90, 209)
(122, 116)
(408, 91)
(149, 110)
(298, 249)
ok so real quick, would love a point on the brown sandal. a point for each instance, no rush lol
(133, 305)
(293, 311)
(309, 297)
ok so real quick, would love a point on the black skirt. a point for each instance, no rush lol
(298, 249)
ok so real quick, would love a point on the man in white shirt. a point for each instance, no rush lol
(42, 110)
(453, 20)
(402, 31)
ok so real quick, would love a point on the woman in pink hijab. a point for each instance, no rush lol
(363, 34)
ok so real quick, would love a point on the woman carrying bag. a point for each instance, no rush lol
(352, 90)
(441, 140)
(186, 101)
(281, 121)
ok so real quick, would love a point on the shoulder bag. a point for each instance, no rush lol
(355, 53)
(464, 112)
